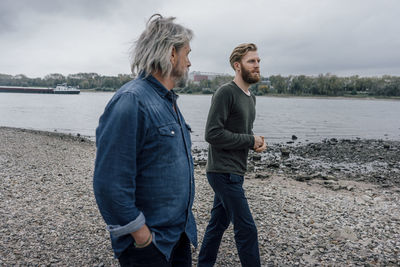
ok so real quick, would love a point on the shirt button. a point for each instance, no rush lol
(172, 132)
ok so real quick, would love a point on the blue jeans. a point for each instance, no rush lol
(230, 204)
(150, 256)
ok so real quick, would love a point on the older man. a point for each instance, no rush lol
(143, 178)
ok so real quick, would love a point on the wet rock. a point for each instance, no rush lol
(201, 162)
(302, 178)
(256, 157)
(285, 152)
(261, 176)
(275, 165)
(288, 164)
(330, 182)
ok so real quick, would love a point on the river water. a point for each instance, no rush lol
(278, 118)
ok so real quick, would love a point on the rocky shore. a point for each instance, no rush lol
(331, 203)
(374, 161)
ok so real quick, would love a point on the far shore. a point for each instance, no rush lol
(334, 97)
(362, 97)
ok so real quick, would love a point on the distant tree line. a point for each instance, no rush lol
(301, 85)
(332, 85)
(82, 80)
(323, 85)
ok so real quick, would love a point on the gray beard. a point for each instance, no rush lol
(181, 82)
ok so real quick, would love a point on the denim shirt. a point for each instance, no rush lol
(144, 169)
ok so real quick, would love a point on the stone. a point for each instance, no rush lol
(256, 157)
(344, 234)
(285, 152)
(273, 165)
(302, 178)
(350, 187)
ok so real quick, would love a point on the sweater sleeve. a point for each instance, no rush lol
(216, 134)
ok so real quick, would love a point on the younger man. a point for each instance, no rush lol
(229, 131)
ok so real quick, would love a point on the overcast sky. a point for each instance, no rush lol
(342, 37)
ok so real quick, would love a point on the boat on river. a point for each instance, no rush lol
(65, 89)
(60, 89)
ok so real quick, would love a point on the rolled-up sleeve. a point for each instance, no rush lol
(133, 226)
(118, 139)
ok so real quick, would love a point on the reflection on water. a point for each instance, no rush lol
(277, 118)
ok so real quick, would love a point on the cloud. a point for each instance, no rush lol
(294, 37)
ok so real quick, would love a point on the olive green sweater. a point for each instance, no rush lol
(229, 130)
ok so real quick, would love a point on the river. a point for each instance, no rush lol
(278, 118)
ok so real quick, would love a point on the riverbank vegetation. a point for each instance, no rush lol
(90, 81)
(301, 85)
(298, 85)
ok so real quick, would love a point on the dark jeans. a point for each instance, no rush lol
(230, 204)
(150, 256)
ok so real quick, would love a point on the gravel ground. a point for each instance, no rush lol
(307, 218)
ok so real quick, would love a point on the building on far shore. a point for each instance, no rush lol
(198, 76)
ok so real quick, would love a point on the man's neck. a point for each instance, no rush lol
(166, 81)
(242, 84)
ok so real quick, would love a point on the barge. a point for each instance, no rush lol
(60, 89)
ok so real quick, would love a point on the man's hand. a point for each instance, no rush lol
(261, 149)
(258, 141)
(142, 236)
(259, 144)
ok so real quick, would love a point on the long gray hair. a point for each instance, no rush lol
(152, 51)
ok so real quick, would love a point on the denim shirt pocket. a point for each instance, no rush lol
(167, 130)
(234, 178)
(169, 142)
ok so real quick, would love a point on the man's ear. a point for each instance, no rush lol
(173, 55)
(237, 66)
